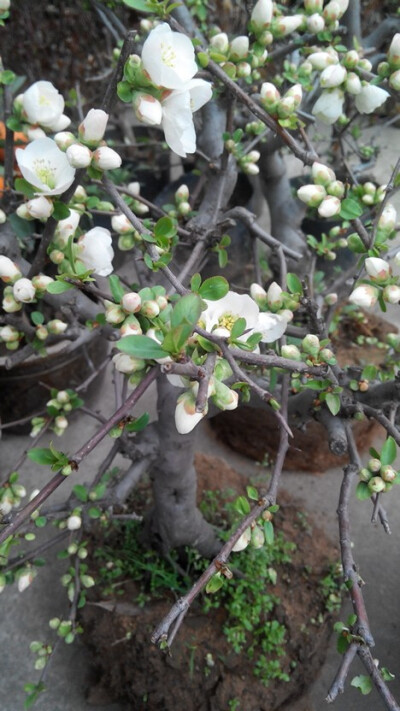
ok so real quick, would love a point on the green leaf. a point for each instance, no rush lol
(58, 287)
(22, 228)
(186, 311)
(61, 211)
(294, 284)
(94, 512)
(176, 338)
(252, 493)
(139, 5)
(80, 492)
(22, 186)
(140, 347)
(242, 506)
(342, 644)
(139, 424)
(42, 455)
(363, 491)
(362, 682)
(386, 674)
(37, 318)
(369, 372)
(125, 91)
(195, 282)
(7, 76)
(214, 288)
(238, 328)
(215, 583)
(116, 288)
(388, 452)
(165, 227)
(350, 209)
(269, 533)
(333, 403)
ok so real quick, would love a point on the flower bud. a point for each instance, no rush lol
(127, 364)
(127, 241)
(322, 175)
(295, 92)
(310, 344)
(79, 156)
(351, 59)
(374, 465)
(74, 522)
(378, 269)
(41, 333)
(106, 158)
(393, 54)
(56, 256)
(353, 83)
(9, 334)
(274, 296)
(186, 417)
(114, 313)
(291, 351)
(131, 302)
(57, 327)
(40, 207)
(261, 15)
(388, 473)
(313, 5)
(121, 224)
(287, 25)
(63, 397)
(243, 541)
(41, 282)
(220, 42)
(333, 76)
(61, 422)
(364, 296)
(366, 474)
(24, 290)
(25, 578)
(320, 60)
(394, 80)
(9, 272)
(93, 126)
(239, 48)
(258, 294)
(376, 484)
(64, 139)
(311, 194)
(257, 537)
(387, 220)
(336, 188)
(391, 294)
(269, 95)
(329, 207)
(315, 23)
(331, 299)
(147, 109)
(225, 398)
(9, 304)
(150, 308)
(130, 327)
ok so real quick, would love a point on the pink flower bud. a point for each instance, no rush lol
(131, 302)
(378, 269)
(147, 109)
(364, 296)
(391, 294)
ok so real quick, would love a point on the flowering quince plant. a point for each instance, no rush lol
(170, 279)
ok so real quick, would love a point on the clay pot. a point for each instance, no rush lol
(66, 365)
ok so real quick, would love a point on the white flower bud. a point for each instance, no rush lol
(121, 224)
(61, 422)
(41, 282)
(313, 5)
(74, 522)
(336, 188)
(9, 271)
(333, 76)
(25, 579)
(9, 304)
(239, 47)
(127, 364)
(311, 194)
(322, 175)
(3, 217)
(376, 484)
(186, 417)
(224, 398)
(295, 92)
(9, 334)
(93, 126)
(106, 158)
(57, 326)
(353, 83)
(261, 15)
(130, 327)
(290, 351)
(394, 80)
(63, 397)
(391, 294)
(329, 207)
(258, 293)
(243, 541)
(24, 290)
(64, 139)
(40, 207)
(134, 188)
(114, 313)
(80, 194)
(393, 54)
(274, 296)
(147, 109)
(378, 269)
(311, 344)
(364, 296)
(286, 25)
(150, 308)
(257, 537)
(315, 23)
(41, 333)
(321, 60)
(243, 70)
(387, 220)
(351, 59)
(79, 156)
(131, 302)
(220, 42)
(4, 5)
(331, 299)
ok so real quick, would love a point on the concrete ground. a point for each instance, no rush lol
(25, 616)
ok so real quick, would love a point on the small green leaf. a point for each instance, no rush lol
(369, 372)
(22, 186)
(388, 452)
(294, 284)
(42, 455)
(333, 403)
(165, 227)
(80, 492)
(37, 318)
(252, 493)
(269, 533)
(362, 682)
(94, 512)
(386, 674)
(125, 91)
(342, 644)
(116, 288)
(186, 311)
(350, 209)
(238, 328)
(195, 282)
(215, 583)
(61, 211)
(140, 347)
(138, 5)
(363, 491)
(58, 287)
(242, 506)
(139, 424)
(214, 288)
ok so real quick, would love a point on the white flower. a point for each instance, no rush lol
(168, 57)
(239, 48)
(42, 103)
(40, 208)
(9, 271)
(261, 15)
(96, 251)
(34, 132)
(186, 417)
(378, 269)
(393, 54)
(177, 121)
(332, 76)
(24, 290)
(329, 106)
(66, 228)
(79, 156)
(46, 167)
(25, 579)
(93, 126)
(370, 98)
(147, 109)
(364, 296)
(329, 206)
(74, 522)
(106, 158)
(220, 316)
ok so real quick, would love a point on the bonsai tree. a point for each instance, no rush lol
(229, 105)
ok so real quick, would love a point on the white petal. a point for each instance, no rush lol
(271, 326)
(168, 57)
(178, 125)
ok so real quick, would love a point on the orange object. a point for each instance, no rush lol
(19, 138)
